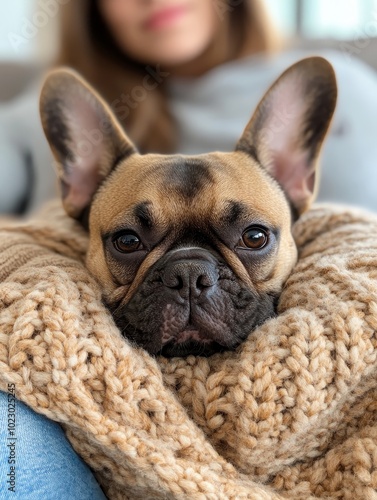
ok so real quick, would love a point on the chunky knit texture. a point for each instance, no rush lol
(291, 414)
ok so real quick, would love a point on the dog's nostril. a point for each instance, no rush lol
(200, 283)
(206, 280)
(172, 281)
(178, 283)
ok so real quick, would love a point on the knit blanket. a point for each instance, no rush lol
(292, 413)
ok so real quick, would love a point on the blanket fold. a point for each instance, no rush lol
(290, 414)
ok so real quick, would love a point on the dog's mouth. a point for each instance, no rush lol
(190, 341)
(197, 319)
(191, 347)
(172, 331)
(190, 333)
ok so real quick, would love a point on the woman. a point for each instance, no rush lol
(120, 47)
(181, 75)
(135, 83)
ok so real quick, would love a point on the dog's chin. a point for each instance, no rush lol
(219, 322)
(202, 336)
(190, 341)
(191, 347)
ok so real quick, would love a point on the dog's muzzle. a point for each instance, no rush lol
(191, 302)
(190, 277)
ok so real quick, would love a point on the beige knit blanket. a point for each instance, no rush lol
(291, 414)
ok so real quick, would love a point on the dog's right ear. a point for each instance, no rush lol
(85, 137)
(287, 130)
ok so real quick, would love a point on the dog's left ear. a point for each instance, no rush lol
(287, 129)
(85, 137)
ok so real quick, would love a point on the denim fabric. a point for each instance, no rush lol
(46, 466)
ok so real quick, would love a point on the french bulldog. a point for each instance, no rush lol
(191, 252)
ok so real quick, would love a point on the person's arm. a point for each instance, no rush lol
(27, 178)
(13, 167)
(349, 162)
(13, 177)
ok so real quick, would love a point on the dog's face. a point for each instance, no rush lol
(191, 252)
(189, 255)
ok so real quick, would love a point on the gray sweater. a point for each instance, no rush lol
(211, 113)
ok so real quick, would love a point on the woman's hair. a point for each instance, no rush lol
(136, 92)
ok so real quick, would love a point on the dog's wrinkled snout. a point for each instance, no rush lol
(190, 278)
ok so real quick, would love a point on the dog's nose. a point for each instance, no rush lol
(190, 277)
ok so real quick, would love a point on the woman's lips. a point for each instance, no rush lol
(165, 17)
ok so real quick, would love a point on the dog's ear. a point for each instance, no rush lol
(84, 135)
(286, 132)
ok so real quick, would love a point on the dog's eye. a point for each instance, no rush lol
(255, 238)
(127, 242)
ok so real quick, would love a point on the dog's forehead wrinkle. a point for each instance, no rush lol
(143, 212)
(187, 176)
(234, 211)
(238, 215)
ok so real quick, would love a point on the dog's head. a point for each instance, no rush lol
(191, 251)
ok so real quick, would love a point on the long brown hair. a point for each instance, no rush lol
(88, 47)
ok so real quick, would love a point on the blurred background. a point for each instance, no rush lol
(29, 32)
(28, 28)
(29, 35)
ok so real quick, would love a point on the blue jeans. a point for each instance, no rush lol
(37, 461)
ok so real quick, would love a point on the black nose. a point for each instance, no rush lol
(190, 277)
